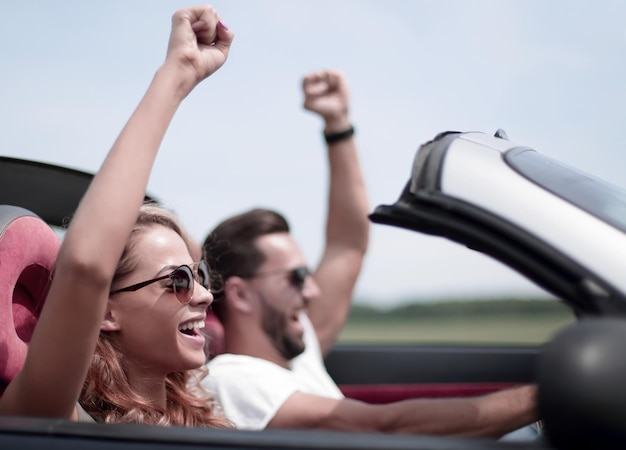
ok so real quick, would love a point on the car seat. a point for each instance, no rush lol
(214, 333)
(28, 251)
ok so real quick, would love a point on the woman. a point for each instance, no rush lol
(121, 320)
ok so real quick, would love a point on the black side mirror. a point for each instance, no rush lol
(582, 385)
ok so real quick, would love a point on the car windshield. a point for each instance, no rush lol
(598, 197)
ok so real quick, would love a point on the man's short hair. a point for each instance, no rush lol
(230, 248)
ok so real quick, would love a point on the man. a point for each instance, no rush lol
(280, 320)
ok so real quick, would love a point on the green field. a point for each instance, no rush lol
(502, 322)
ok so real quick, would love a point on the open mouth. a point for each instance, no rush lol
(296, 323)
(191, 328)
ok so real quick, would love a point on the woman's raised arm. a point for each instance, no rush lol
(65, 337)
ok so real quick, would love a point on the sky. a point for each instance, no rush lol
(550, 73)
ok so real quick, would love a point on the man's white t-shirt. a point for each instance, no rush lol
(251, 390)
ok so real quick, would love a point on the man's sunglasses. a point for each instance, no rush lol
(182, 281)
(296, 276)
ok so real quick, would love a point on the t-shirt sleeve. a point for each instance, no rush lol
(249, 390)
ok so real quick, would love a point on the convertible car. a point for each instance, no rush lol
(561, 228)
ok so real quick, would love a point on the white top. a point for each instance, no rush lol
(251, 390)
(83, 416)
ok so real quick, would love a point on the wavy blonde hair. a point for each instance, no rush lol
(107, 395)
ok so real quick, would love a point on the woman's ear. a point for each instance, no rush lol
(110, 323)
(238, 294)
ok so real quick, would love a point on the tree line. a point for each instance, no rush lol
(456, 308)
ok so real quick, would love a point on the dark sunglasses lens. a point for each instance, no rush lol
(203, 275)
(298, 276)
(182, 279)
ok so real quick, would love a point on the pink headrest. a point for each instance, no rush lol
(28, 251)
(214, 332)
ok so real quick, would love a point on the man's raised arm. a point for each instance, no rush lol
(347, 225)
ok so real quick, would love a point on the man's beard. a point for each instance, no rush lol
(274, 324)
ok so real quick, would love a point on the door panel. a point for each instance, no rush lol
(380, 374)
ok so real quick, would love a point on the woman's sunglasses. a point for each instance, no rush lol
(296, 276)
(182, 281)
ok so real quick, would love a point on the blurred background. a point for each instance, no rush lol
(549, 73)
